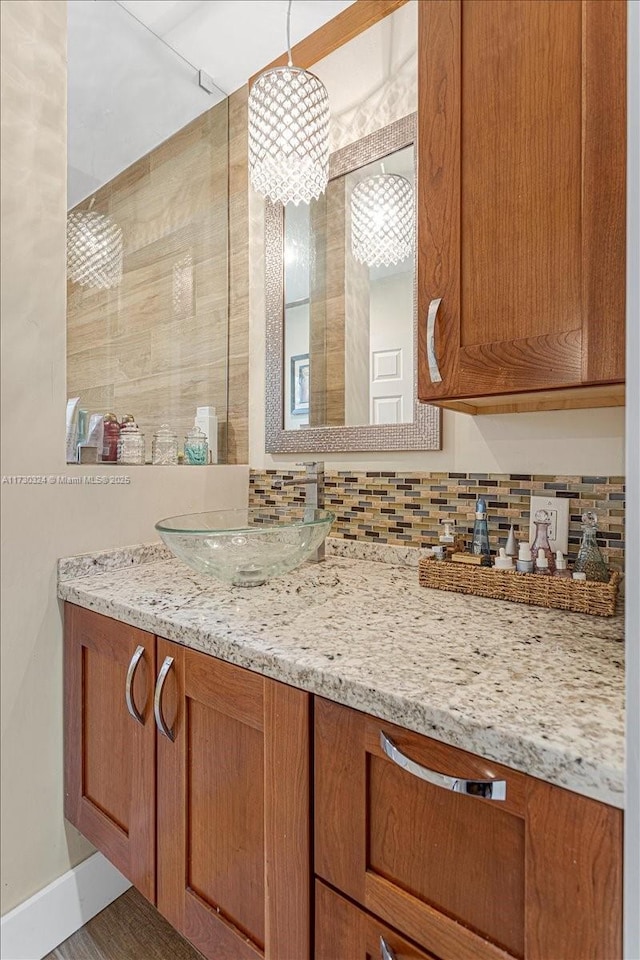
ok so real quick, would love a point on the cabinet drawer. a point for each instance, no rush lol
(406, 848)
(450, 869)
(344, 932)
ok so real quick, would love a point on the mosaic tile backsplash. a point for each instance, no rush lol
(387, 507)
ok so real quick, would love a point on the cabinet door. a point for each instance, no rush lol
(110, 750)
(233, 809)
(521, 195)
(450, 870)
(344, 932)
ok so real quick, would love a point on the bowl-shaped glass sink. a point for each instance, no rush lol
(246, 547)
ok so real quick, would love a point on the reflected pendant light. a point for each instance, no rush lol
(289, 133)
(382, 220)
(94, 250)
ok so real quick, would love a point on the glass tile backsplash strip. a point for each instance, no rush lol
(406, 509)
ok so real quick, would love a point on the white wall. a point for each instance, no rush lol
(43, 522)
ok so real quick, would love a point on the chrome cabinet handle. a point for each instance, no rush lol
(434, 369)
(489, 789)
(157, 700)
(386, 952)
(128, 688)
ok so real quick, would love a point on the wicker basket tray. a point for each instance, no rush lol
(580, 596)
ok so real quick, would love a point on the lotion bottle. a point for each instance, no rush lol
(524, 563)
(561, 566)
(502, 561)
(542, 564)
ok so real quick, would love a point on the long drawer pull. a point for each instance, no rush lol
(489, 789)
(386, 953)
(157, 700)
(128, 687)
(432, 314)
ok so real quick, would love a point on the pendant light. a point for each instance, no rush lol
(289, 133)
(94, 249)
(382, 220)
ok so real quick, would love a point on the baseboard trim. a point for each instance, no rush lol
(41, 923)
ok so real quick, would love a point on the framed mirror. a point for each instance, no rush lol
(341, 349)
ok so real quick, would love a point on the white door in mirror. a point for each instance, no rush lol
(391, 344)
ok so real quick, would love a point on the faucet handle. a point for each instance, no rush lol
(312, 466)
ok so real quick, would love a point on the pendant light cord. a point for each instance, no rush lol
(289, 32)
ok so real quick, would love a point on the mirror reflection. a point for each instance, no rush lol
(147, 246)
(349, 277)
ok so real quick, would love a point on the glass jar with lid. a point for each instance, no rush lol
(196, 448)
(131, 446)
(164, 448)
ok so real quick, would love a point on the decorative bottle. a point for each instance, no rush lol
(590, 561)
(542, 521)
(110, 438)
(480, 543)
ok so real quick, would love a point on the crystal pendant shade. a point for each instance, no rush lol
(289, 135)
(382, 220)
(94, 250)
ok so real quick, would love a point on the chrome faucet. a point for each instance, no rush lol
(313, 483)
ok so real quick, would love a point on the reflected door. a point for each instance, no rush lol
(391, 364)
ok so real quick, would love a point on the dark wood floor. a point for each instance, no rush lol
(129, 929)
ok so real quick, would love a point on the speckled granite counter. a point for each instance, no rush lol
(539, 690)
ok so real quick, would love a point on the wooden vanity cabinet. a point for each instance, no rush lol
(521, 203)
(110, 756)
(536, 875)
(192, 776)
(202, 802)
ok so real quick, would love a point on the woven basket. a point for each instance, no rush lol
(580, 596)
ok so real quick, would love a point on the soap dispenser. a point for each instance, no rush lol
(447, 541)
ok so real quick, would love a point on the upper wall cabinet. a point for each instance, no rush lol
(521, 144)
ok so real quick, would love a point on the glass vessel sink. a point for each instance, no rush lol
(246, 547)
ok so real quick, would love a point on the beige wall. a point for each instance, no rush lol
(43, 522)
(380, 65)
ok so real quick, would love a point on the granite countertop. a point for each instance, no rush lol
(538, 690)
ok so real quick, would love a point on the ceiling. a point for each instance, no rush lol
(133, 70)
